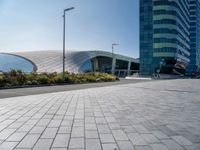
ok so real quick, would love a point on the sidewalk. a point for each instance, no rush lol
(162, 115)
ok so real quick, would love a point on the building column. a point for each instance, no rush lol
(129, 68)
(113, 65)
(95, 64)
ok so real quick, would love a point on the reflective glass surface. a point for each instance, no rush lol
(8, 62)
(86, 67)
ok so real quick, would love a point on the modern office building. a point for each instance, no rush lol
(76, 62)
(169, 39)
(194, 6)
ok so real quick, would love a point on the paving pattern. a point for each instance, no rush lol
(6, 93)
(162, 115)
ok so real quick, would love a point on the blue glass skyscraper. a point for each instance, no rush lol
(194, 65)
(168, 31)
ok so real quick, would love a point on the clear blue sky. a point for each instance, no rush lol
(93, 25)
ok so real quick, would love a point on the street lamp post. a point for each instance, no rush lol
(113, 68)
(68, 9)
(158, 70)
(161, 63)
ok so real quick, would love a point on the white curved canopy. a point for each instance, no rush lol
(51, 61)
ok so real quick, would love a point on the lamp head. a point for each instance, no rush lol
(68, 9)
(114, 44)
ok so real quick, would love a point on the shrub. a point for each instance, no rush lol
(90, 78)
(31, 77)
(17, 77)
(14, 78)
(2, 82)
(58, 79)
(42, 79)
(35, 82)
(107, 77)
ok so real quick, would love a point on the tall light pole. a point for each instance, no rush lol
(68, 9)
(113, 65)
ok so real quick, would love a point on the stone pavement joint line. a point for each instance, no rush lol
(161, 115)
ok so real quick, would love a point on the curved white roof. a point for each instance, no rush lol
(51, 61)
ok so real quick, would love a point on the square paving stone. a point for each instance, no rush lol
(49, 133)
(8, 145)
(43, 144)
(61, 140)
(125, 145)
(93, 144)
(76, 143)
(107, 138)
(110, 146)
(29, 141)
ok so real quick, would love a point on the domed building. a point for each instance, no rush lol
(75, 61)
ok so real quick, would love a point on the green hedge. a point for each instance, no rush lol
(19, 78)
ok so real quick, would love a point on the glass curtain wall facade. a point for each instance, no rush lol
(165, 36)
(194, 65)
(9, 62)
(146, 36)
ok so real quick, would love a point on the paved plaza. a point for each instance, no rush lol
(160, 115)
(5, 93)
